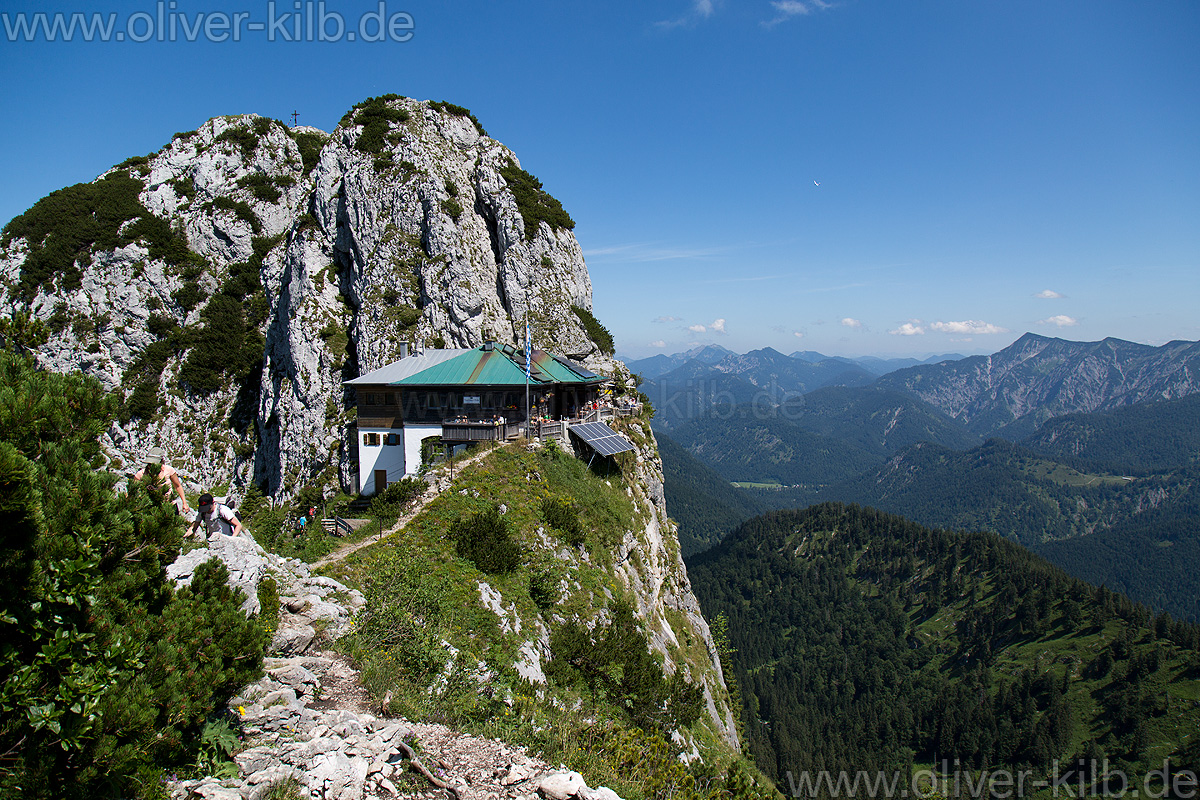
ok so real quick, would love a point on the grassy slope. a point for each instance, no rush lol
(440, 591)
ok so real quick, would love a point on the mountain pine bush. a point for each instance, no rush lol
(107, 674)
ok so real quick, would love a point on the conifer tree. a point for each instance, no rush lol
(105, 671)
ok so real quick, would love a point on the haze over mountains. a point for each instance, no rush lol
(1045, 441)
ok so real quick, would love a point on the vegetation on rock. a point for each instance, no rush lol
(69, 225)
(458, 111)
(107, 674)
(599, 334)
(535, 203)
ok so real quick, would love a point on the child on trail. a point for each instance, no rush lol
(164, 473)
(217, 518)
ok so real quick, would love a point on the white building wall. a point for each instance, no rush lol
(413, 435)
(380, 456)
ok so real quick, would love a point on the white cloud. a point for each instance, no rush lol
(667, 319)
(1061, 320)
(851, 322)
(701, 10)
(798, 334)
(697, 328)
(718, 326)
(909, 329)
(658, 343)
(790, 9)
(1049, 294)
(971, 326)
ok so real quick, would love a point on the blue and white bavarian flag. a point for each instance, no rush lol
(527, 350)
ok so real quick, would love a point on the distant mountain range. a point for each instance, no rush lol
(1036, 378)
(712, 354)
(762, 378)
(1097, 438)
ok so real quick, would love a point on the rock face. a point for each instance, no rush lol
(230, 282)
(651, 566)
(1036, 378)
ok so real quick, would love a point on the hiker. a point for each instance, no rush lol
(217, 518)
(164, 473)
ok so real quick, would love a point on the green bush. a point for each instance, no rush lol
(453, 208)
(458, 111)
(105, 672)
(535, 203)
(376, 117)
(393, 500)
(189, 295)
(244, 139)
(544, 588)
(241, 210)
(596, 332)
(268, 600)
(261, 186)
(310, 145)
(184, 187)
(485, 540)
(562, 514)
(614, 663)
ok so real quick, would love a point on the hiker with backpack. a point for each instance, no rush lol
(217, 518)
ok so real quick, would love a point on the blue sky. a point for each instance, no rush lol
(854, 177)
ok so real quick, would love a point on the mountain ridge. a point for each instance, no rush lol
(246, 269)
(1038, 377)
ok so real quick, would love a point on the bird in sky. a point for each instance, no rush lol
(816, 183)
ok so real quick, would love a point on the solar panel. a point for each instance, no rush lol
(601, 438)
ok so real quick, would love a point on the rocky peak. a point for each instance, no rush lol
(228, 283)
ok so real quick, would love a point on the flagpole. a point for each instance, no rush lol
(527, 346)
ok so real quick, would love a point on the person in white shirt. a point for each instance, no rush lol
(217, 518)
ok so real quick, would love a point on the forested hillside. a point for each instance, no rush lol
(1152, 557)
(1004, 488)
(704, 504)
(864, 641)
(758, 444)
(1137, 439)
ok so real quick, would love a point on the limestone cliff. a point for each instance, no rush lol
(230, 282)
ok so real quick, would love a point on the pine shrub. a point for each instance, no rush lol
(485, 540)
(535, 203)
(376, 117)
(459, 111)
(562, 514)
(106, 674)
(599, 334)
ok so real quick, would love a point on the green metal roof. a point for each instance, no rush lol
(497, 367)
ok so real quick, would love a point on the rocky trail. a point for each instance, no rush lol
(310, 726)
